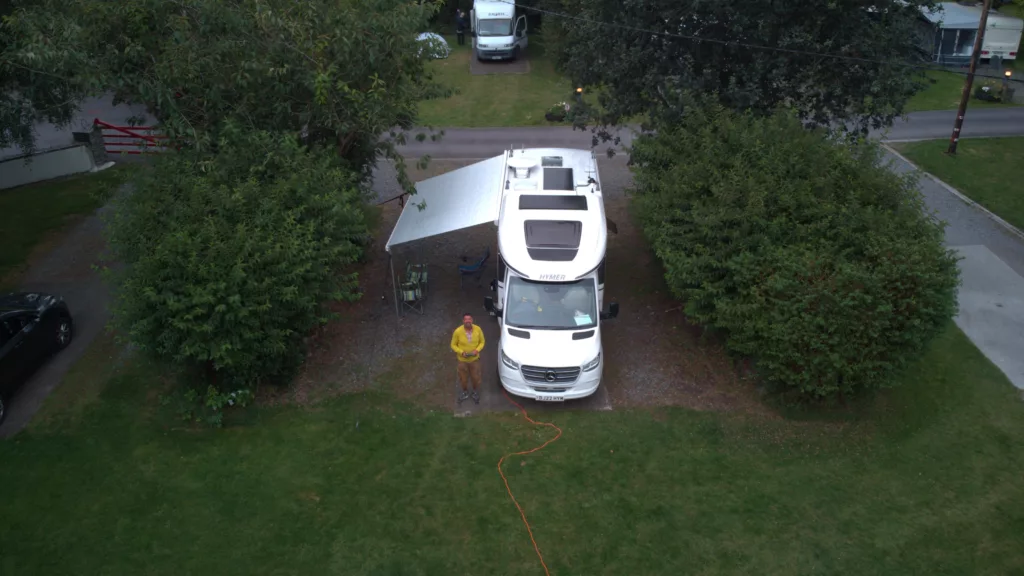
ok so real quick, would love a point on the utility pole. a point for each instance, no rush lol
(969, 81)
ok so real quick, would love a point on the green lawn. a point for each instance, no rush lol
(495, 100)
(925, 479)
(944, 94)
(989, 171)
(30, 214)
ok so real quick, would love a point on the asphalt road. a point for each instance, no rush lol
(488, 142)
(980, 123)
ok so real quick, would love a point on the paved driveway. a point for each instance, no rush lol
(66, 271)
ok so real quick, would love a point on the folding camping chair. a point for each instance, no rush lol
(474, 270)
(413, 290)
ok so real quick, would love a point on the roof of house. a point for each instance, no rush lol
(956, 15)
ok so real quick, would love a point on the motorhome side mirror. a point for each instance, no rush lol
(494, 285)
(613, 311)
(488, 303)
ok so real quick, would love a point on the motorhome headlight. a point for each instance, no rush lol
(592, 364)
(508, 361)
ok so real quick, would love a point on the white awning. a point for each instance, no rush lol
(458, 199)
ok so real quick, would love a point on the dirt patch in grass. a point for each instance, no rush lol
(654, 357)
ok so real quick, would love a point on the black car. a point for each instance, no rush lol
(32, 326)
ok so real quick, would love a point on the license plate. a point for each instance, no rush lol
(495, 57)
(551, 398)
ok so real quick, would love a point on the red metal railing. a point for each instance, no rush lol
(131, 139)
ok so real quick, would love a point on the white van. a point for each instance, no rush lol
(497, 33)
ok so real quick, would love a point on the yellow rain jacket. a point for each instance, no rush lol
(460, 343)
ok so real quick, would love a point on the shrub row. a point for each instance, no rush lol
(228, 258)
(806, 252)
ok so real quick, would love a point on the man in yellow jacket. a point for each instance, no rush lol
(467, 342)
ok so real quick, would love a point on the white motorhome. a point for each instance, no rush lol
(497, 33)
(548, 207)
(552, 237)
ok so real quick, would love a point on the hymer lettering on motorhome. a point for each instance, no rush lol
(548, 207)
(497, 33)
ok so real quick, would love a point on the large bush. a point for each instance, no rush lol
(808, 254)
(229, 258)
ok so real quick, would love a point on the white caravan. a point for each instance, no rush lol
(548, 206)
(497, 33)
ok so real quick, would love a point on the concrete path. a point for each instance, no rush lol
(992, 294)
(992, 309)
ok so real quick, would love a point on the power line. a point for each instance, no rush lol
(747, 45)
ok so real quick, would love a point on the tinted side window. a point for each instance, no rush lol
(501, 268)
(7, 330)
(600, 273)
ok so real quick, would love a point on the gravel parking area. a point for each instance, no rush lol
(653, 356)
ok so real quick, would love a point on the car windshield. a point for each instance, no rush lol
(501, 27)
(550, 305)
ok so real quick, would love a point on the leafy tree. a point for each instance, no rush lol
(342, 72)
(608, 44)
(228, 257)
(36, 76)
(808, 254)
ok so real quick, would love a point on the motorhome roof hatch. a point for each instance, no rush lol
(553, 240)
(558, 179)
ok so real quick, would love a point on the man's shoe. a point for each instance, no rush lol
(476, 397)
(463, 396)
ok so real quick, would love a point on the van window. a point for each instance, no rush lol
(497, 27)
(551, 305)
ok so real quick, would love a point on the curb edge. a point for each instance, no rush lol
(960, 195)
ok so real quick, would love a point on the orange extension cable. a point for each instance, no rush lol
(524, 453)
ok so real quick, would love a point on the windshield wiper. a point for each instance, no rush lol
(528, 327)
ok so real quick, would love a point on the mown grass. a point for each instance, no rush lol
(32, 213)
(988, 170)
(924, 479)
(944, 93)
(494, 100)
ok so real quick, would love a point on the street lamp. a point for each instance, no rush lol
(579, 94)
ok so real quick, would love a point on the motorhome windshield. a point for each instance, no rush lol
(552, 306)
(498, 27)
